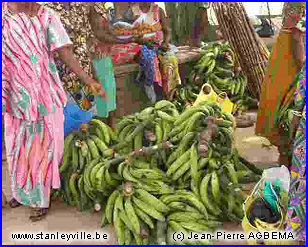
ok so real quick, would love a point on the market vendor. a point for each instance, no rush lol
(106, 50)
(156, 70)
(33, 99)
(116, 41)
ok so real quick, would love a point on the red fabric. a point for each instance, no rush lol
(121, 53)
(293, 20)
(125, 53)
(156, 13)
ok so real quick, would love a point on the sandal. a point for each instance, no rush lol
(38, 214)
(14, 203)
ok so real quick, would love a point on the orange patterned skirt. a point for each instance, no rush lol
(280, 75)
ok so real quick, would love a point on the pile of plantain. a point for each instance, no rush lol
(217, 66)
(162, 171)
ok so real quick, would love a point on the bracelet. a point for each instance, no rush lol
(297, 113)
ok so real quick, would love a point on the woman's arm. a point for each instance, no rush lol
(297, 48)
(294, 126)
(165, 28)
(67, 56)
(101, 32)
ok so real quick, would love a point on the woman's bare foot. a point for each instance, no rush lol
(14, 203)
(38, 214)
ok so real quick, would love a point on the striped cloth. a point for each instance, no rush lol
(32, 103)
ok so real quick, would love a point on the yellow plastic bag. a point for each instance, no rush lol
(206, 94)
(224, 102)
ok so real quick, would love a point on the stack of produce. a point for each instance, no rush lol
(184, 95)
(217, 67)
(252, 54)
(139, 30)
(164, 171)
(82, 150)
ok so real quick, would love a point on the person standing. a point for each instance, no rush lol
(105, 51)
(285, 62)
(296, 213)
(161, 64)
(33, 99)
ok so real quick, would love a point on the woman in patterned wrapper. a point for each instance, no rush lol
(296, 213)
(285, 62)
(110, 46)
(160, 65)
(33, 99)
(106, 49)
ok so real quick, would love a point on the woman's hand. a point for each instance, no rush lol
(68, 58)
(139, 40)
(165, 46)
(93, 86)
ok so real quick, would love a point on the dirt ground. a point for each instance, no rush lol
(64, 219)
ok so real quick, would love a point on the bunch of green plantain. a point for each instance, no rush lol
(90, 143)
(216, 67)
(82, 150)
(184, 95)
(215, 181)
(188, 214)
(194, 120)
(133, 211)
(238, 87)
(148, 127)
(216, 60)
(161, 171)
(145, 175)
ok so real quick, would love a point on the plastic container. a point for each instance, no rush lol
(206, 94)
(74, 117)
(248, 227)
(225, 103)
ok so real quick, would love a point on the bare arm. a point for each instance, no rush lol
(294, 126)
(67, 56)
(165, 26)
(297, 48)
(103, 33)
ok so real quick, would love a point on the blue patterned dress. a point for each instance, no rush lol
(296, 214)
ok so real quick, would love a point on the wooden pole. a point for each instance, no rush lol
(236, 29)
(269, 14)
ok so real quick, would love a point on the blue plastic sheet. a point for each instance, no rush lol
(74, 117)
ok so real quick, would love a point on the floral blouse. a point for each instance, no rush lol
(31, 87)
(75, 18)
(293, 12)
